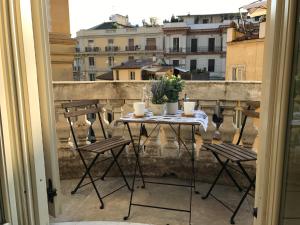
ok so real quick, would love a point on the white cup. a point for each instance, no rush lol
(139, 108)
(189, 108)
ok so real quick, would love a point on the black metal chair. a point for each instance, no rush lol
(84, 107)
(237, 155)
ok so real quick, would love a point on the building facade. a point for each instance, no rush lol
(244, 56)
(196, 43)
(112, 43)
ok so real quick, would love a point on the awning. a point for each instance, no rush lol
(181, 69)
(258, 8)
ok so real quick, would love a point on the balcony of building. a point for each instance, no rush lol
(205, 50)
(162, 158)
(150, 48)
(132, 48)
(112, 48)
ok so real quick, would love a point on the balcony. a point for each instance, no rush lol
(205, 50)
(150, 48)
(112, 48)
(176, 50)
(92, 49)
(132, 48)
(198, 50)
(117, 99)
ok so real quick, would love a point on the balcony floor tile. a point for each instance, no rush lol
(84, 205)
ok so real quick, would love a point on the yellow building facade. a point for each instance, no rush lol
(127, 74)
(244, 58)
(62, 46)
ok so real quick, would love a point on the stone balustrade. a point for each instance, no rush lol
(162, 155)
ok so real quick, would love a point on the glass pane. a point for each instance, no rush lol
(291, 185)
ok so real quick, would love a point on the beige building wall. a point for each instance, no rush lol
(124, 74)
(62, 46)
(247, 55)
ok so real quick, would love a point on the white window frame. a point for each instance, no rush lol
(132, 75)
(239, 74)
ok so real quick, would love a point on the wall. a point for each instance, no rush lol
(62, 46)
(248, 53)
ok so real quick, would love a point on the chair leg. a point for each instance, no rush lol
(245, 173)
(110, 166)
(242, 200)
(118, 165)
(85, 174)
(228, 172)
(88, 168)
(217, 178)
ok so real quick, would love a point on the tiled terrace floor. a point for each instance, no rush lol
(84, 205)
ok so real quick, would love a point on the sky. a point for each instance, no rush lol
(85, 14)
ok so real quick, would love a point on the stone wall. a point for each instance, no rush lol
(162, 155)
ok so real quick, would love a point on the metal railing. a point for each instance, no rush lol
(150, 47)
(112, 48)
(204, 49)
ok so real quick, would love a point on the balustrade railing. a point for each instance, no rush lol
(214, 97)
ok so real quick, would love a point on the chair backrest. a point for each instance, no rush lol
(249, 111)
(80, 108)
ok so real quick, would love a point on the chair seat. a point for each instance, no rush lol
(105, 145)
(235, 153)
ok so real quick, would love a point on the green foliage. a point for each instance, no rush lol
(174, 85)
(158, 89)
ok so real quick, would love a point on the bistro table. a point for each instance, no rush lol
(198, 118)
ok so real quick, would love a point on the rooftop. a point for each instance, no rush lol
(134, 64)
(109, 25)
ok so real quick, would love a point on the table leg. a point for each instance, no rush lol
(137, 165)
(137, 151)
(193, 159)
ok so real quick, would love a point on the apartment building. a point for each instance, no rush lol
(197, 44)
(111, 43)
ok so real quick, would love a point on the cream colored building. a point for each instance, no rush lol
(109, 44)
(197, 42)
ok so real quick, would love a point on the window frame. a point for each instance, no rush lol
(91, 61)
(209, 66)
(132, 75)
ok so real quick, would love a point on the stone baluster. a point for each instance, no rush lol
(227, 128)
(82, 126)
(170, 145)
(153, 146)
(62, 129)
(116, 108)
(186, 136)
(209, 109)
(249, 134)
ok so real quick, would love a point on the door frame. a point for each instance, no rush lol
(30, 61)
(278, 61)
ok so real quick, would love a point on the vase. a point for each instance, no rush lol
(172, 108)
(157, 109)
